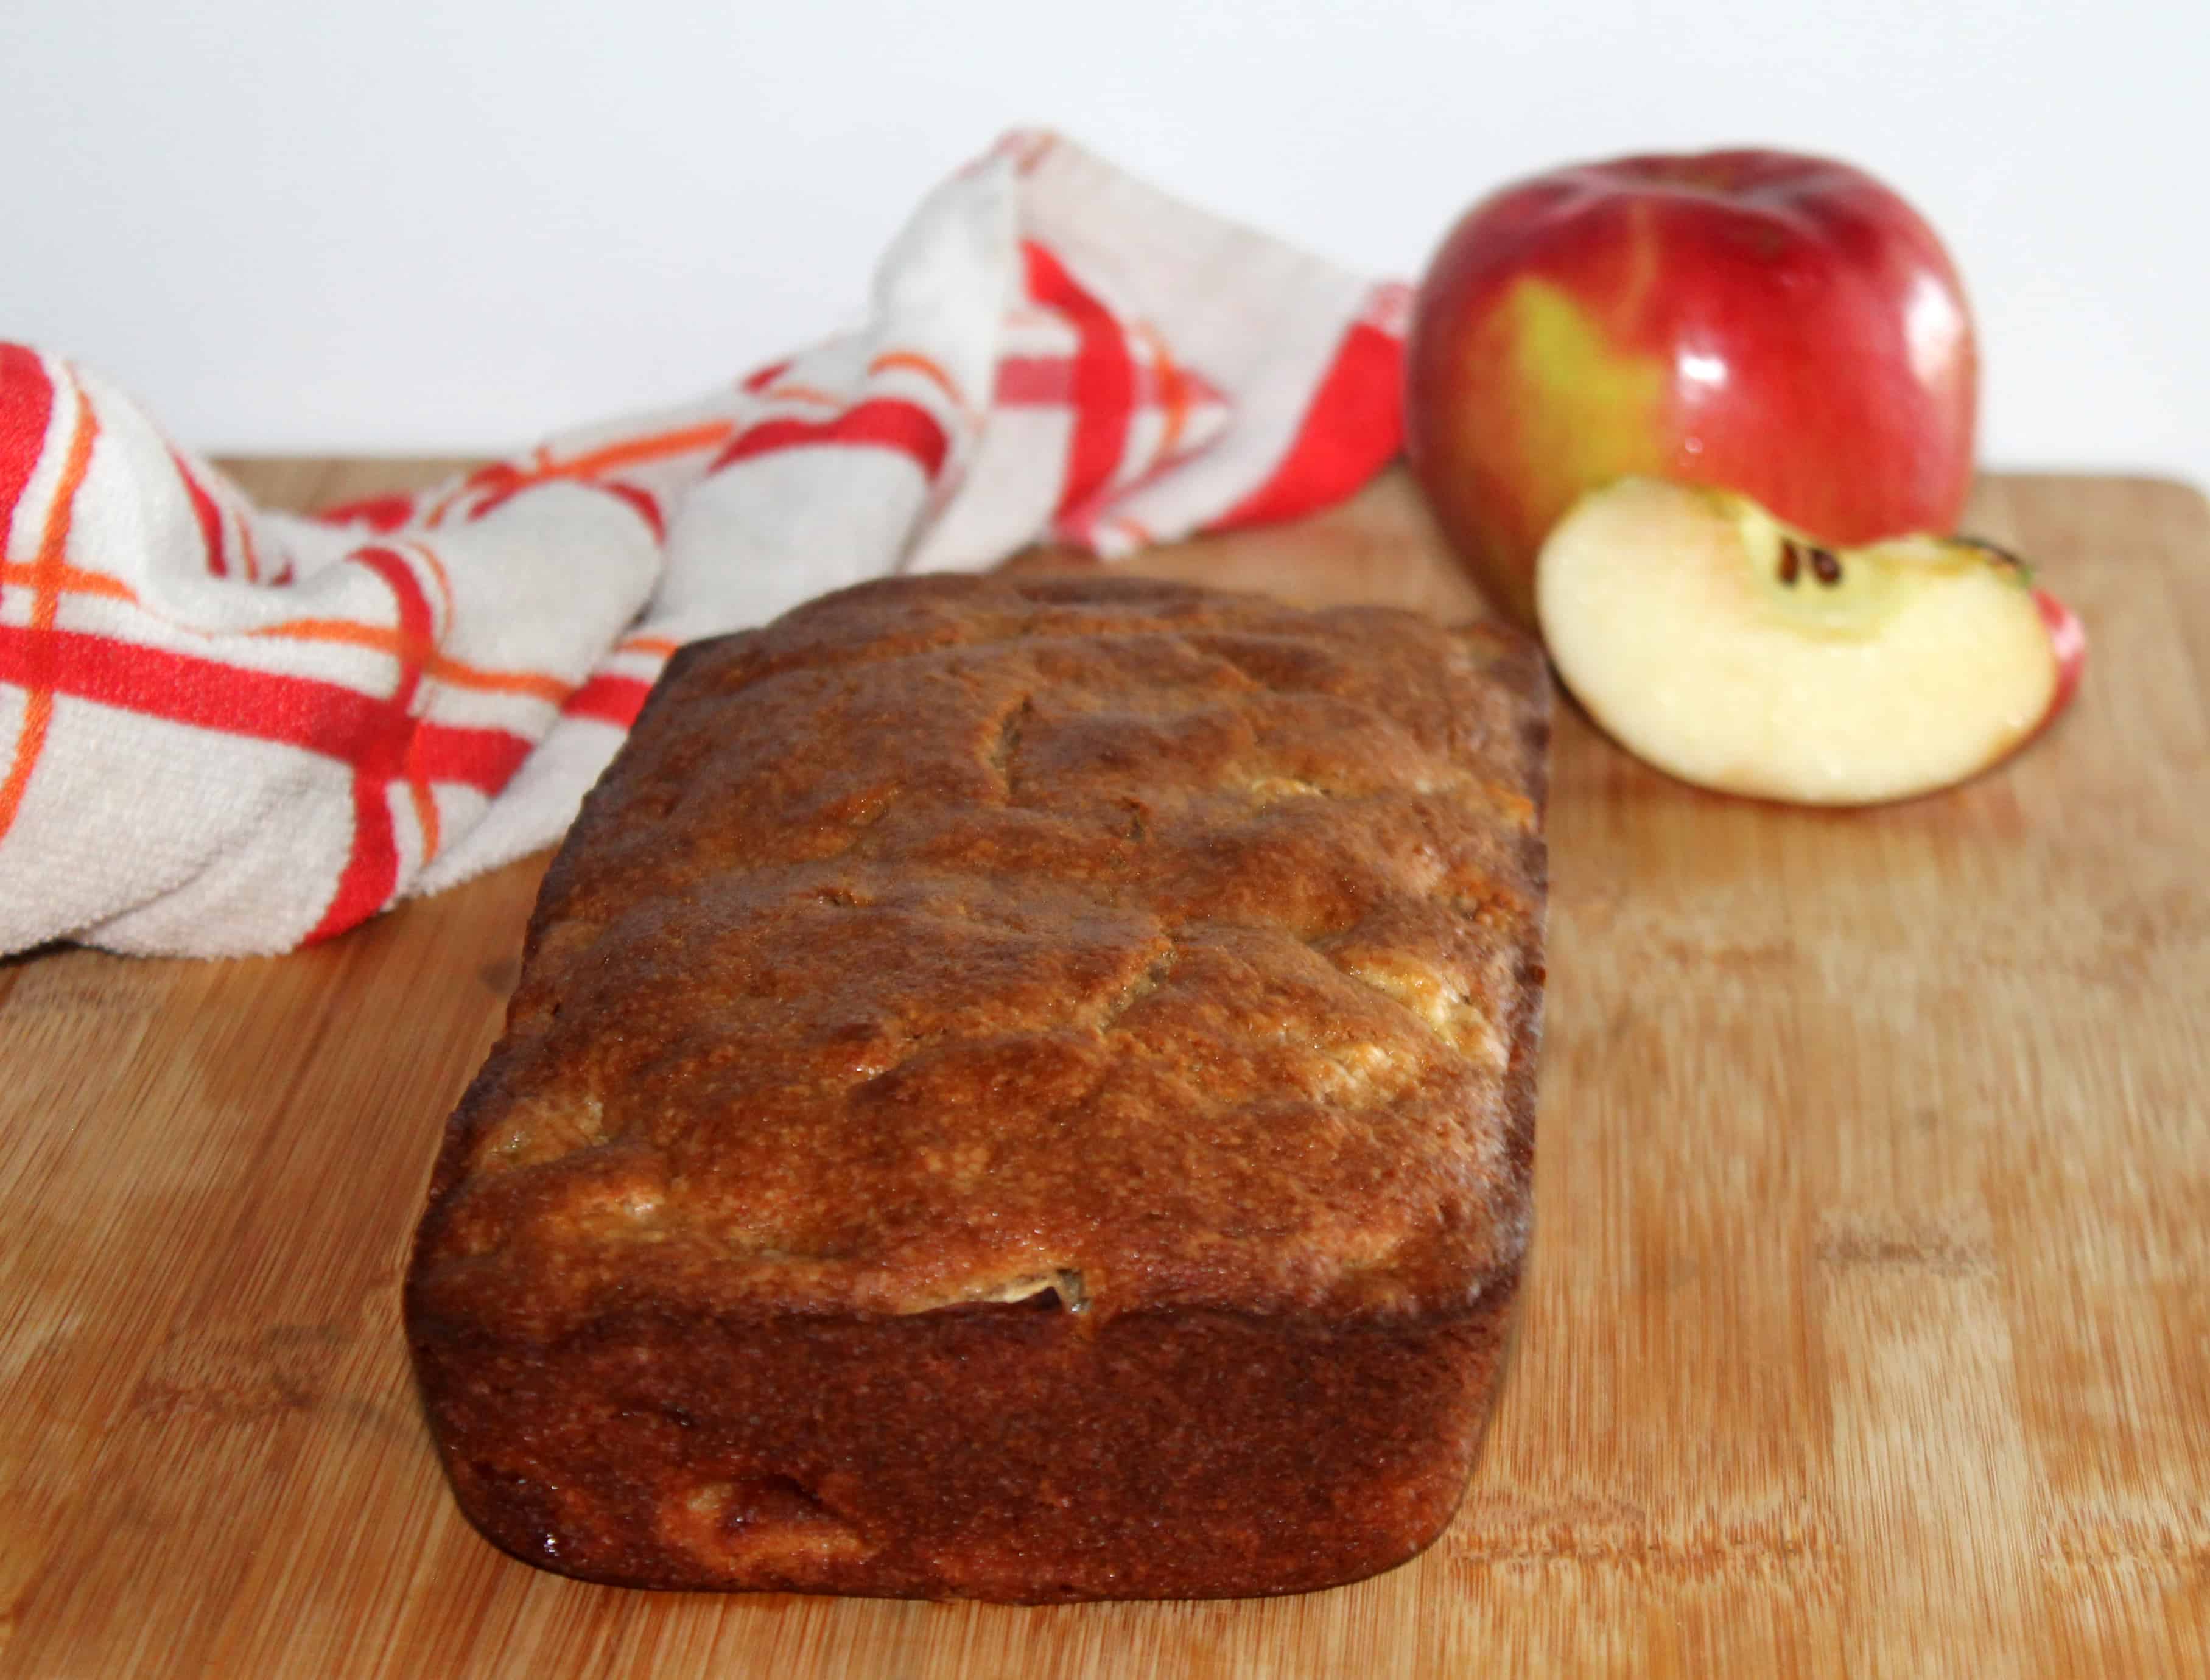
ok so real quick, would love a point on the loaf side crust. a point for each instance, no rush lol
(1018, 1088)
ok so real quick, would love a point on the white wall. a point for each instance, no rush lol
(414, 226)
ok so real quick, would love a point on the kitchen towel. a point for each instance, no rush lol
(227, 730)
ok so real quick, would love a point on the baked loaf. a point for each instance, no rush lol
(1019, 1089)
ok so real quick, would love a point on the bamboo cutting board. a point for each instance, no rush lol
(1867, 1327)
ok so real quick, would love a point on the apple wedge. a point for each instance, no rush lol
(1731, 651)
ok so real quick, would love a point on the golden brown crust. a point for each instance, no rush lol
(953, 945)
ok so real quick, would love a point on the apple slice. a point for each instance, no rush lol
(1735, 653)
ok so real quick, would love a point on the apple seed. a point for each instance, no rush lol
(1825, 565)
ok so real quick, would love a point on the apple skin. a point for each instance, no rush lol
(2068, 637)
(1781, 326)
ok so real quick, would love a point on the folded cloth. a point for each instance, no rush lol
(227, 730)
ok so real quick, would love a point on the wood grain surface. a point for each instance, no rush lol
(1867, 1329)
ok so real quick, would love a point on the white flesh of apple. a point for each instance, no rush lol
(1666, 614)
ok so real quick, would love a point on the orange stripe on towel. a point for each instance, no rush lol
(914, 362)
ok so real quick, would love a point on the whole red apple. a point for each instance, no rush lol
(1783, 327)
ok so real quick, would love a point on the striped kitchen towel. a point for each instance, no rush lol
(225, 730)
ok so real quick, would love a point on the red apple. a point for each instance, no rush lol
(1783, 327)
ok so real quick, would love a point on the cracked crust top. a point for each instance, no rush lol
(954, 940)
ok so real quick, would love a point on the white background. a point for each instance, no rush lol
(431, 225)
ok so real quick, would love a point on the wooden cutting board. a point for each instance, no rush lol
(1867, 1329)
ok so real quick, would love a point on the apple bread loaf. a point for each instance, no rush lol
(1019, 1089)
